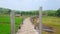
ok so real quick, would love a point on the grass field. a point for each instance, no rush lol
(53, 22)
(48, 20)
(5, 27)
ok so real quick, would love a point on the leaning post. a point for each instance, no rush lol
(12, 18)
(40, 24)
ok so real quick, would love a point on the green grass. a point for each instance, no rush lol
(4, 28)
(5, 24)
(4, 19)
(53, 22)
(48, 20)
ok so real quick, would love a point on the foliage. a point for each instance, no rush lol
(33, 12)
(48, 20)
(50, 12)
(58, 12)
(5, 25)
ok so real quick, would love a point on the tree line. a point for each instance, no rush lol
(33, 12)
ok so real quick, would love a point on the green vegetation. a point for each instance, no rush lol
(53, 22)
(5, 24)
(50, 19)
(33, 12)
(4, 28)
(58, 12)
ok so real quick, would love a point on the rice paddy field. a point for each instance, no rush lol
(5, 26)
(52, 22)
(47, 20)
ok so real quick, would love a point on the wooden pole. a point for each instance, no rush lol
(12, 17)
(40, 24)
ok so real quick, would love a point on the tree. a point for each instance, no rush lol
(49, 12)
(58, 12)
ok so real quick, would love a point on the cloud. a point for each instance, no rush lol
(21, 4)
(28, 4)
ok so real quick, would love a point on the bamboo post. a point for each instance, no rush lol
(12, 17)
(40, 24)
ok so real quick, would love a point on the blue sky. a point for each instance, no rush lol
(30, 4)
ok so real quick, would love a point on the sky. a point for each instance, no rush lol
(30, 4)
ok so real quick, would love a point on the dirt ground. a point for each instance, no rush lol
(27, 27)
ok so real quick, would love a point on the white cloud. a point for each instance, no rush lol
(21, 4)
(25, 4)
